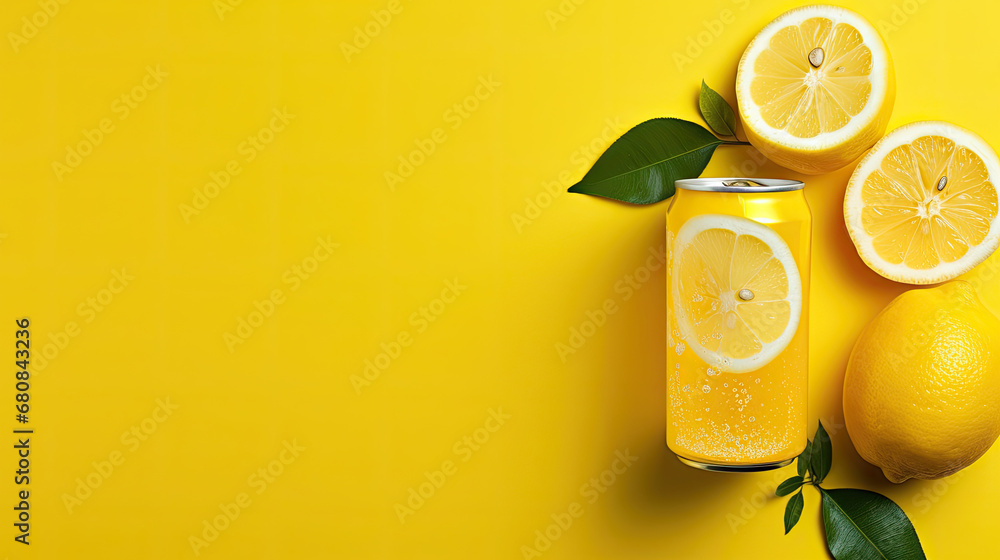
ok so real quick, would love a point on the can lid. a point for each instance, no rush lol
(738, 185)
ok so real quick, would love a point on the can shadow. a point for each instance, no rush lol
(658, 487)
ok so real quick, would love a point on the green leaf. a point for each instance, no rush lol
(793, 509)
(642, 165)
(821, 455)
(861, 525)
(716, 111)
(789, 486)
(802, 464)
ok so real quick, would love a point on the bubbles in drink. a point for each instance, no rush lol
(710, 372)
(686, 388)
(705, 388)
(679, 348)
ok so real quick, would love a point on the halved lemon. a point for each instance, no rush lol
(921, 207)
(815, 88)
(736, 291)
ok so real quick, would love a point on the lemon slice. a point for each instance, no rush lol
(921, 207)
(736, 291)
(815, 88)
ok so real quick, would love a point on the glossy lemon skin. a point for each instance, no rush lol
(922, 388)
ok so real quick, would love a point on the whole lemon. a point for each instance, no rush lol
(922, 390)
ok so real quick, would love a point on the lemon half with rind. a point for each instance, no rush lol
(815, 88)
(922, 206)
(736, 291)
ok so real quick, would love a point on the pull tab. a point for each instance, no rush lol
(742, 183)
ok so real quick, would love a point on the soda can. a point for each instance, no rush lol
(737, 322)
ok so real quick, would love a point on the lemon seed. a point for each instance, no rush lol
(816, 57)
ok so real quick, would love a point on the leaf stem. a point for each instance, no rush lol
(735, 143)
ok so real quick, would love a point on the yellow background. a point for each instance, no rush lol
(530, 275)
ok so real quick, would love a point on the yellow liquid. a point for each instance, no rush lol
(749, 418)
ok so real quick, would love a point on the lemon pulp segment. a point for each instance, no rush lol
(913, 222)
(804, 100)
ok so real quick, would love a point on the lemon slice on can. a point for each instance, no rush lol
(736, 291)
(921, 207)
(815, 88)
